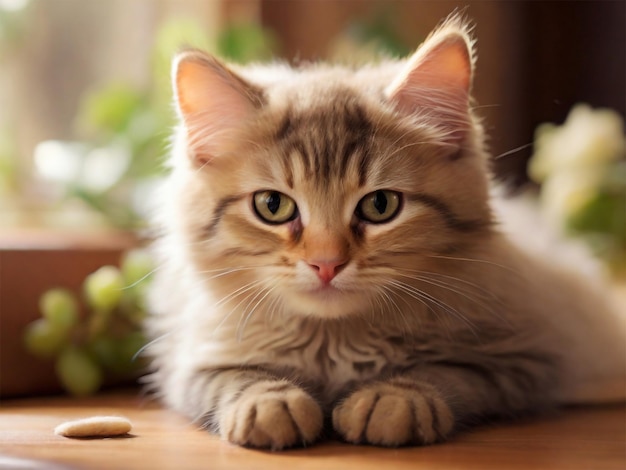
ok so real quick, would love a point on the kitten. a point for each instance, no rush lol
(331, 255)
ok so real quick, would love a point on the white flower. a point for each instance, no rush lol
(573, 160)
(104, 166)
(587, 138)
(75, 163)
(59, 161)
(565, 193)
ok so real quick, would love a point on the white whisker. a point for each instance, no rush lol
(420, 294)
(143, 278)
(512, 151)
(153, 342)
(475, 260)
(237, 292)
(241, 328)
(388, 290)
(485, 306)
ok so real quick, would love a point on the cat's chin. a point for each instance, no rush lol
(326, 302)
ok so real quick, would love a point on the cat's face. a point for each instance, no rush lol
(328, 202)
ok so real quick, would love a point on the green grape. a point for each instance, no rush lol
(136, 267)
(127, 347)
(136, 316)
(78, 372)
(103, 288)
(60, 307)
(44, 339)
(99, 321)
(104, 350)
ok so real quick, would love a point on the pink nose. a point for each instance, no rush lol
(327, 270)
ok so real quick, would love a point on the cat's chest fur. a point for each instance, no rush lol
(331, 355)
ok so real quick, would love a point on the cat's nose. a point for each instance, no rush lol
(327, 270)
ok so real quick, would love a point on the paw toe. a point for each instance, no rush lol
(393, 415)
(271, 420)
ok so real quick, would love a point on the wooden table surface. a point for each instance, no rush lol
(581, 438)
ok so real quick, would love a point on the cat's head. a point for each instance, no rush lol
(323, 190)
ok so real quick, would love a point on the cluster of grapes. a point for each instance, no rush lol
(103, 343)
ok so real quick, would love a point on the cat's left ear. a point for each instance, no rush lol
(436, 81)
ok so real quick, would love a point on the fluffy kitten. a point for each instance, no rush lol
(331, 254)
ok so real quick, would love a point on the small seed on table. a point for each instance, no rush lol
(96, 426)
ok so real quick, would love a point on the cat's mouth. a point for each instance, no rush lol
(328, 291)
(322, 295)
(326, 301)
(325, 289)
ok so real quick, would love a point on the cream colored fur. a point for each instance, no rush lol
(454, 310)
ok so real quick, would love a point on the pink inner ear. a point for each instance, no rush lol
(448, 65)
(204, 88)
(435, 84)
(213, 103)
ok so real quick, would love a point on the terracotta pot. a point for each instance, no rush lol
(31, 263)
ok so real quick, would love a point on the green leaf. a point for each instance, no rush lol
(110, 109)
(246, 42)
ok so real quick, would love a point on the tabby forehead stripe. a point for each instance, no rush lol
(360, 130)
(287, 167)
(287, 126)
(364, 166)
(303, 153)
(349, 149)
(326, 142)
(325, 156)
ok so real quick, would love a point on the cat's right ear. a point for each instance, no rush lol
(212, 101)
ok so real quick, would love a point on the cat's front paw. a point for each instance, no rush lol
(394, 413)
(272, 414)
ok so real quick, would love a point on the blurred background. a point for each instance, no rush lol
(84, 84)
(85, 117)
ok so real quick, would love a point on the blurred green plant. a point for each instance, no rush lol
(247, 42)
(11, 22)
(370, 39)
(11, 32)
(123, 130)
(103, 344)
(581, 166)
(8, 165)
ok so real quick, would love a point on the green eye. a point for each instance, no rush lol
(274, 207)
(379, 206)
